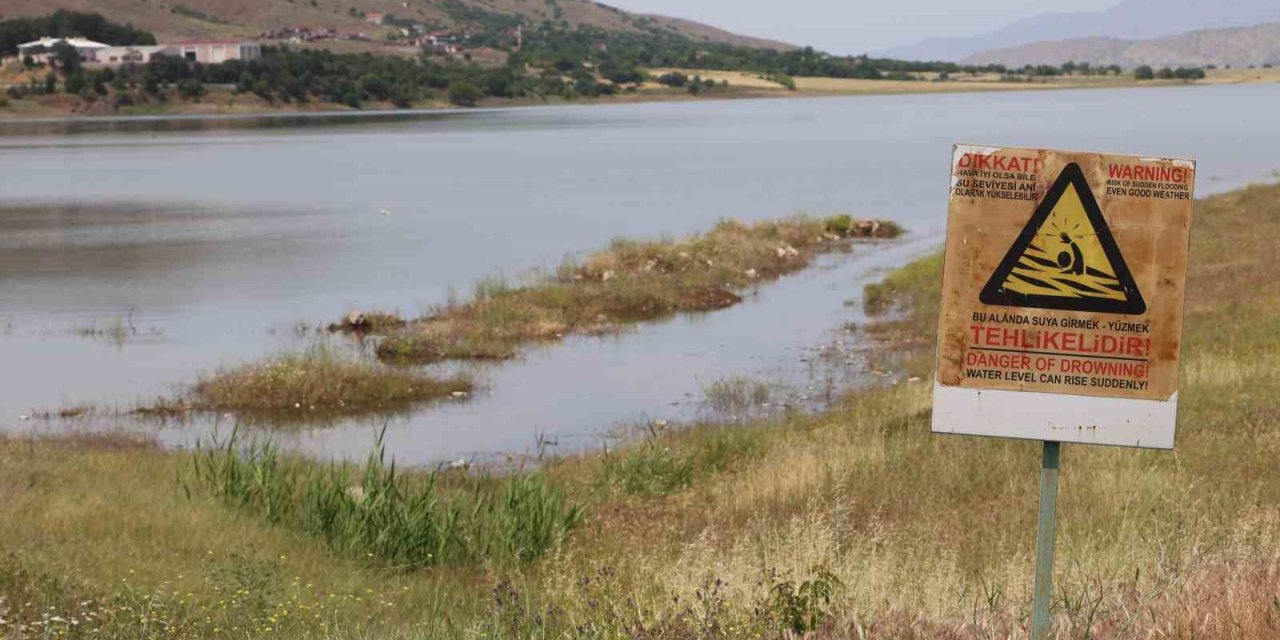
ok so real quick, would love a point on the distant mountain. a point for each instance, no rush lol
(238, 18)
(1240, 46)
(1128, 20)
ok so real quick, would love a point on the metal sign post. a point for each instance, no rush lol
(1044, 541)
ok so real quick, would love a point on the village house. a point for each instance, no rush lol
(41, 50)
(442, 41)
(119, 56)
(374, 17)
(215, 51)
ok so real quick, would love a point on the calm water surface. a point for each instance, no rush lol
(209, 241)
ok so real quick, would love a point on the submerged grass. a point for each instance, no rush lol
(627, 282)
(310, 383)
(736, 394)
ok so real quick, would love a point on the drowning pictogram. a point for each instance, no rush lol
(1065, 258)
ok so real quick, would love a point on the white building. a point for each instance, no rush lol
(41, 50)
(118, 56)
(215, 51)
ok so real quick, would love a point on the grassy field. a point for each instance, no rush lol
(757, 85)
(854, 523)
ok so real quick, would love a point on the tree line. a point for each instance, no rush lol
(555, 60)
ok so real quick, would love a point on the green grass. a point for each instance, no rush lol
(629, 281)
(405, 520)
(317, 382)
(711, 531)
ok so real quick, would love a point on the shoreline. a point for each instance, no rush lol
(807, 87)
(629, 283)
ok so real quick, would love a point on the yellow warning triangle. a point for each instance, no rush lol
(1065, 258)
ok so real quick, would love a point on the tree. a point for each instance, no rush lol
(624, 74)
(464, 94)
(1188, 73)
(403, 97)
(50, 83)
(66, 57)
(1165, 74)
(673, 79)
(1144, 73)
(374, 86)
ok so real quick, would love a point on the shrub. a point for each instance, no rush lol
(839, 224)
(75, 84)
(191, 89)
(786, 81)
(674, 79)
(805, 608)
(624, 75)
(464, 94)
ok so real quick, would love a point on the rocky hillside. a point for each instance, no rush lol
(1125, 20)
(210, 18)
(1242, 46)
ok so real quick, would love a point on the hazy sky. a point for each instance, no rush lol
(856, 26)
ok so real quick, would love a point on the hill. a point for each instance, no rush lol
(1127, 20)
(1241, 46)
(170, 19)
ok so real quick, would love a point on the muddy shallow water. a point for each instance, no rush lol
(135, 255)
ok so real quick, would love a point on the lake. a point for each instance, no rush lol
(216, 241)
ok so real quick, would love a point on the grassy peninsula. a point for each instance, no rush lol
(855, 523)
(298, 385)
(630, 281)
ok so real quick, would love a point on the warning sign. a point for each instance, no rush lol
(1062, 292)
(1066, 258)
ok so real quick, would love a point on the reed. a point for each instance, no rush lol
(403, 519)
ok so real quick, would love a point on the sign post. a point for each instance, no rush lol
(1044, 542)
(1061, 315)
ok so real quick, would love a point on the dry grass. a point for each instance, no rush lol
(855, 523)
(736, 79)
(628, 282)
